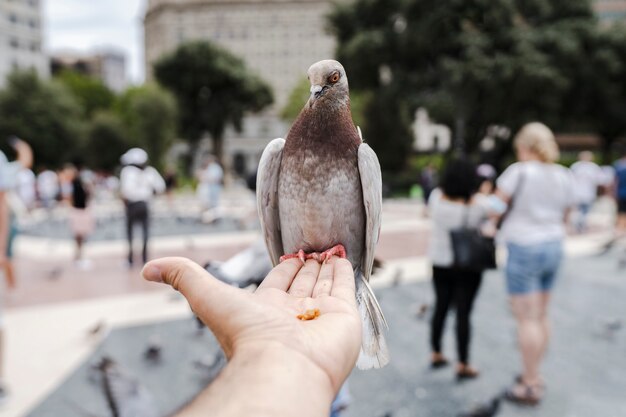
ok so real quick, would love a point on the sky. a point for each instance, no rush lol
(86, 25)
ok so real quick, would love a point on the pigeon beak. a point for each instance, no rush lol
(317, 91)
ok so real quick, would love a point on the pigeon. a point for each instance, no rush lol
(248, 267)
(319, 194)
(489, 409)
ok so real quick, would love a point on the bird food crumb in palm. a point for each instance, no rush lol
(309, 315)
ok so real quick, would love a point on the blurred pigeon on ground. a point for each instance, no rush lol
(489, 409)
(319, 194)
(126, 396)
(247, 267)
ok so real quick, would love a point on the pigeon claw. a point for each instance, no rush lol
(337, 250)
(300, 255)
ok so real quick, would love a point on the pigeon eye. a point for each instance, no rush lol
(334, 78)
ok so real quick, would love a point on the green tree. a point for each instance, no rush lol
(214, 89)
(149, 114)
(91, 93)
(43, 113)
(107, 140)
(475, 63)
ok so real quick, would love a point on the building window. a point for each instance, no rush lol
(33, 3)
(13, 18)
(14, 44)
(34, 47)
(32, 23)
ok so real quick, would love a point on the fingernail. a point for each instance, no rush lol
(152, 273)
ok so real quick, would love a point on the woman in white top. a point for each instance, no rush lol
(539, 192)
(451, 206)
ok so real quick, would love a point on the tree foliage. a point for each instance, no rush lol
(90, 92)
(486, 62)
(43, 113)
(214, 89)
(107, 140)
(149, 114)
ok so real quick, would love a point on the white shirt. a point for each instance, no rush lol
(541, 193)
(48, 184)
(138, 184)
(212, 174)
(447, 215)
(588, 177)
(8, 172)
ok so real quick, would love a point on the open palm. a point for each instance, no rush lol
(268, 317)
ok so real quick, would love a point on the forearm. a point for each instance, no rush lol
(24, 154)
(269, 381)
(4, 223)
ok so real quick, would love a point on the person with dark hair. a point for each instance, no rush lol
(451, 206)
(81, 219)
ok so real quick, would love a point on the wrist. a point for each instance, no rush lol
(268, 379)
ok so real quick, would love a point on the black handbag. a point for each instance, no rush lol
(471, 249)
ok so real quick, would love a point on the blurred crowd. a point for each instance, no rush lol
(529, 208)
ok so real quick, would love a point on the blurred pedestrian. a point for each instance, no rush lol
(27, 188)
(620, 195)
(47, 187)
(453, 205)
(138, 184)
(8, 225)
(211, 178)
(428, 180)
(81, 218)
(539, 194)
(588, 176)
(8, 180)
(487, 177)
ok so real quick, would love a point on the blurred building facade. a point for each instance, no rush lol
(108, 66)
(610, 11)
(21, 38)
(278, 39)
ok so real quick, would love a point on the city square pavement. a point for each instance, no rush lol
(62, 317)
(584, 369)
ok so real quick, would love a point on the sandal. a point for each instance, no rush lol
(531, 394)
(519, 380)
(467, 372)
(439, 361)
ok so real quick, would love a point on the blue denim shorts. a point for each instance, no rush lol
(533, 268)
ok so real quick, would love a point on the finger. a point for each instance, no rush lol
(343, 281)
(282, 275)
(204, 293)
(303, 283)
(324, 282)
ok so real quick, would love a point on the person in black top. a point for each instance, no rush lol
(81, 220)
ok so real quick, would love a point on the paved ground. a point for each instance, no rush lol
(57, 304)
(584, 369)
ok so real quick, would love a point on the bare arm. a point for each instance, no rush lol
(265, 381)
(24, 154)
(4, 225)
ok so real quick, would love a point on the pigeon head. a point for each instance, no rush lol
(329, 84)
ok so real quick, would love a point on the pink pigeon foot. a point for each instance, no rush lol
(337, 250)
(300, 255)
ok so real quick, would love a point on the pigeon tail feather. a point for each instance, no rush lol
(374, 352)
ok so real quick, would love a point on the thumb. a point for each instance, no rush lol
(209, 298)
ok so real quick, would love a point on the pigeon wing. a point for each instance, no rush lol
(267, 197)
(371, 183)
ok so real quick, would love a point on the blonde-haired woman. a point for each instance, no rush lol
(539, 193)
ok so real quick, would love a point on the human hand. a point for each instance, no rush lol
(266, 319)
